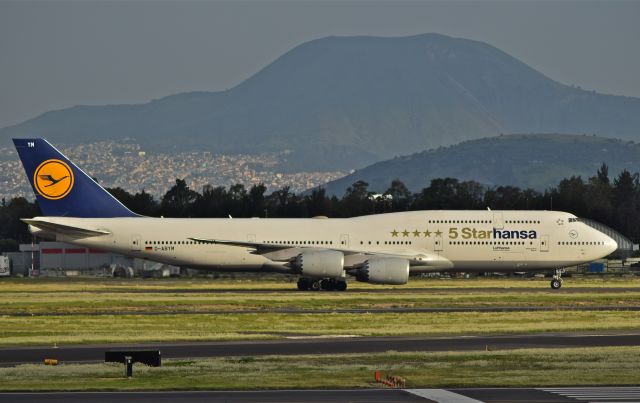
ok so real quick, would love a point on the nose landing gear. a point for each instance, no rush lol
(556, 282)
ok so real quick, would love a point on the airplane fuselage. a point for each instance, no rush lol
(437, 240)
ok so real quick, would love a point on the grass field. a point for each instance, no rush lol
(33, 296)
(82, 329)
(523, 368)
(287, 283)
(70, 306)
(81, 297)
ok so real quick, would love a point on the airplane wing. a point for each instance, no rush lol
(258, 247)
(415, 258)
(64, 229)
(261, 248)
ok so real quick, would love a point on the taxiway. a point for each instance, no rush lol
(319, 345)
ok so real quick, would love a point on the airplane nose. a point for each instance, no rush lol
(611, 244)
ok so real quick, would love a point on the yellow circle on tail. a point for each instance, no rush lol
(53, 179)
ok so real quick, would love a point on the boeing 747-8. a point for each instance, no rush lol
(323, 252)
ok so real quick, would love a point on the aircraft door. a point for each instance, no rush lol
(251, 237)
(437, 243)
(135, 242)
(344, 240)
(544, 243)
(498, 221)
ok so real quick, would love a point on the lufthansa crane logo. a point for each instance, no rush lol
(53, 179)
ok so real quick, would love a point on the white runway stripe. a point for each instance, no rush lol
(607, 394)
(442, 396)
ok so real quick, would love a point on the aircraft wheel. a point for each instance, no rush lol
(555, 283)
(316, 285)
(304, 284)
(328, 284)
(341, 286)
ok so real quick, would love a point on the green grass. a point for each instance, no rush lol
(279, 283)
(592, 366)
(84, 296)
(131, 296)
(77, 329)
(518, 368)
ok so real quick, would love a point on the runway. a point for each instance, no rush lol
(484, 395)
(330, 345)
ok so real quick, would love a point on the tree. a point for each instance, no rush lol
(599, 195)
(400, 196)
(10, 225)
(357, 199)
(603, 174)
(256, 200)
(571, 196)
(508, 198)
(179, 200)
(143, 203)
(214, 202)
(285, 203)
(626, 204)
(317, 203)
(440, 195)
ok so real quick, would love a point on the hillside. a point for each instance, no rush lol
(536, 161)
(346, 102)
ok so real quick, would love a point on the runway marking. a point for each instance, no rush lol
(442, 396)
(608, 394)
(323, 336)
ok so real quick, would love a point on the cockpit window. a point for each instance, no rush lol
(574, 219)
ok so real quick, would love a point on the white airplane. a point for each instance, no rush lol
(379, 249)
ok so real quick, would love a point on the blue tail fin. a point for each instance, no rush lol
(63, 189)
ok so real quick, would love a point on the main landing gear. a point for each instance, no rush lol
(557, 279)
(326, 284)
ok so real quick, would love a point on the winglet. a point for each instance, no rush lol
(61, 188)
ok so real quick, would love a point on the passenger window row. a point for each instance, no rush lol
(581, 243)
(460, 221)
(488, 243)
(300, 242)
(172, 242)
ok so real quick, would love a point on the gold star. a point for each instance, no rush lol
(416, 233)
(405, 233)
(394, 233)
(438, 233)
(427, 233)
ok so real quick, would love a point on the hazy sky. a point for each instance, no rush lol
(59, 54)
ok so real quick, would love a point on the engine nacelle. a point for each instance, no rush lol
(384, 270)
(320, 263)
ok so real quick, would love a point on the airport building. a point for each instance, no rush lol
(62, 259)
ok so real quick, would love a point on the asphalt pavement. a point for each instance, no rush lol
(477, 395)
(329, 345)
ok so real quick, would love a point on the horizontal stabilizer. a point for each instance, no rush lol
(64, 229)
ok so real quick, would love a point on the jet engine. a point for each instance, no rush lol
(384, 270)
(319, 263)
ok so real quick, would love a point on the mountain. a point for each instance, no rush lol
(346, 102)
(536, 161)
